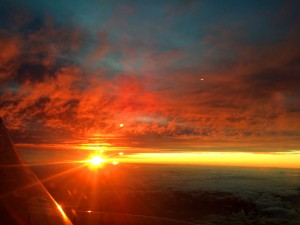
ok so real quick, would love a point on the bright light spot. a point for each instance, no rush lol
(59, 208)
(89, 211)
(96, 161)
(65, 218)
(121, 125)
(115, 163)
(266, 159)
(121, 153)
(202, 79)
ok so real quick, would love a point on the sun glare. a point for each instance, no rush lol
(96, 161)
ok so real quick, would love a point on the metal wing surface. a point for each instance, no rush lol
(23, 198)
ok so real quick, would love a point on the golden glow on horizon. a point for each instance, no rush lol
(288, 159)
(121, 125)
(272, 159)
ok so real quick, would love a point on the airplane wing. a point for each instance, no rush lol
(25, 201)
(23, 198)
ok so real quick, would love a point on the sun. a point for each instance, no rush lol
(96, 161)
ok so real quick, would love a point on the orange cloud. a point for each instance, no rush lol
(162, 100)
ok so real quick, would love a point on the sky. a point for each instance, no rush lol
(152, 77)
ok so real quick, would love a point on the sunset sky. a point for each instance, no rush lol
(160, 77)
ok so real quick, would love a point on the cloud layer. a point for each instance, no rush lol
(176, 78)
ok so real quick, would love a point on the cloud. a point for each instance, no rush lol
(10, 50)
(222, 90)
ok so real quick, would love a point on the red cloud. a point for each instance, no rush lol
(162, 104)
